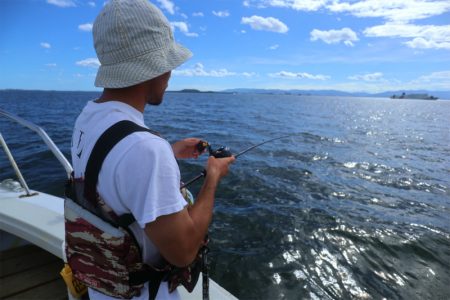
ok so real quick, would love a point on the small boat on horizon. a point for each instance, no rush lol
(414, 97)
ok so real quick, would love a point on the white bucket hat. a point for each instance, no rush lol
(134, 43)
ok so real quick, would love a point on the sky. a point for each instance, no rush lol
(348, 45)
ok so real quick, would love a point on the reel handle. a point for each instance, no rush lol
(201, 146)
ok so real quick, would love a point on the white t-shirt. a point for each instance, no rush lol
(139, 175)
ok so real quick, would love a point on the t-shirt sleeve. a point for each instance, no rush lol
(148, 181)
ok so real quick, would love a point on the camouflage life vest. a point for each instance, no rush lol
(100, 248)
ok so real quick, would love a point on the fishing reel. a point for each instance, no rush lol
(220, 152)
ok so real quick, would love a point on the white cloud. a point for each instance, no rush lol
(85, 27)
(303, 5)
(439, 81)
(266, 24)
(442, 75)
(345, 35)
(291, 75)
(248, 74)
(184, 28)
(198, 14)
(89, 62)
(274, 47)
(394, 10)
(421, 43)
(199, 71)
(168, 6)
(221, 14)
(91, 4)
(51, 65)
(423, 36)
(377, 76)
(436, 80)
(45, 45)
(62, 3)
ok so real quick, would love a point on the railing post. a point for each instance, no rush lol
(14, 165)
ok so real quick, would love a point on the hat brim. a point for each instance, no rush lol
(142, 68)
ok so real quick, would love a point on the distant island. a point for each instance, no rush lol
(414, 96)
(191, 91)
(198, 91)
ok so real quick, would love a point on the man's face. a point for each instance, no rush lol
(157, 87)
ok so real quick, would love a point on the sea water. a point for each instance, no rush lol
(354, 205)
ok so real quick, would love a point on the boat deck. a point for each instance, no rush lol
(29, 272)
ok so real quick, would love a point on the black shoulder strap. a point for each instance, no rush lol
(102, 147)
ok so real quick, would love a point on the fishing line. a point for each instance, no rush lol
(262, 143)
(226, 152)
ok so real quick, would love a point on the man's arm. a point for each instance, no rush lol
(179, 236)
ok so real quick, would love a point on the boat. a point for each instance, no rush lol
(414, 96)
(29, 217)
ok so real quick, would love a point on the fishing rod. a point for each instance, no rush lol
(224, 151)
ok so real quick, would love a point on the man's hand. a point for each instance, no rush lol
(186, 148)
(216, 168)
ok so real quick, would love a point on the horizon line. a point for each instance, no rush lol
(99, 90)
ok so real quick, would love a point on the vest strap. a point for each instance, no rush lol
(102, 147)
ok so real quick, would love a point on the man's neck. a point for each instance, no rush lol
(132, 96)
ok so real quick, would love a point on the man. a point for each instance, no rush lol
(140, 175)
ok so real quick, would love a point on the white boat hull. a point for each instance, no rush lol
(39, 219)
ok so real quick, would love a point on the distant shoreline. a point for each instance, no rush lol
(442, 95)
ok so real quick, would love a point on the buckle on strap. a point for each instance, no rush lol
(147, 274)
(154, 277)
(125, 220)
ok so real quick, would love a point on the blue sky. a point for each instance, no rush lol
(349, 45)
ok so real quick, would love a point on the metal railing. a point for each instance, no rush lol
(48, 141)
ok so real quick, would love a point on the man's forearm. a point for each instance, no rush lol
(201, 211)
(179, 236)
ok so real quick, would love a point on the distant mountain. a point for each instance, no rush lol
(440, 94)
